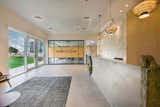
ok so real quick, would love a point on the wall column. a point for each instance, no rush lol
(4, 48)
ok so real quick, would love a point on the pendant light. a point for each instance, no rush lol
(143, 9)
(99, 37)
(111, 27)
(99, 22)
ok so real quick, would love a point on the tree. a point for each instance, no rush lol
(13, 50)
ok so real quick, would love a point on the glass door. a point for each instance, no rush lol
(30, 53)
(40, 48)
(24, 52)
(16, 51)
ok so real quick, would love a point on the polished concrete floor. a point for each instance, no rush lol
(83, 91)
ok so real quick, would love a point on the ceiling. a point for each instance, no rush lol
(66, 16)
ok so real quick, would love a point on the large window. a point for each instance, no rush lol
(40, 52)
(66, 52)
(16, 51)
(25, 52)
(30, 53)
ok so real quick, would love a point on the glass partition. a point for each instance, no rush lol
(66, 51)
(24, 52)
(16, 51)
(40, 52)
(30, 53)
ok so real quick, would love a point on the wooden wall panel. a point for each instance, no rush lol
(66, 52)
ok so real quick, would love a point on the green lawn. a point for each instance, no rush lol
(17, 61)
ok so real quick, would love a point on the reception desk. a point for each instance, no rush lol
(120, 83)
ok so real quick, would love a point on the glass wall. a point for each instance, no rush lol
(30, 53)
(25, 52)
(40, 52)
(66, 52)
(16, 51)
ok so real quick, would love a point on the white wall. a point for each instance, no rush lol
(114, 45)
(11, 19)
(119, 82)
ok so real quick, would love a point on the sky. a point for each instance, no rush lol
(16, 40)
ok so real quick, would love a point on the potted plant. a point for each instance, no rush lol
(90, 66)
(90, 69)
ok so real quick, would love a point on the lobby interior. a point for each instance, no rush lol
(110, 49)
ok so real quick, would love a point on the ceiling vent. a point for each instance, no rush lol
(38, 18)
(86, 17)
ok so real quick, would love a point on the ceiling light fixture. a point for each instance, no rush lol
(98, 26)
(86, 17)
(84, 28)
(111, 28)
(50, 28)
(144, 15)
(38, 18)
(99, 22)
(121, 11)
(99, 37)
(143, 9)
(126, 5)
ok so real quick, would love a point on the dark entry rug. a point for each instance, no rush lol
(43, 92)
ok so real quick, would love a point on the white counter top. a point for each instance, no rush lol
(119, 82)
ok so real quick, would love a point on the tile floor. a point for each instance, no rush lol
(83, 91)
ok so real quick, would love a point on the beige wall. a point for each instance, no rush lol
(110, 46)
(10, 19)
(66, 52)
(3, 48)
(143, 36)
(73, 36)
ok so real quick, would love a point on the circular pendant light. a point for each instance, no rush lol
(144, 15)
(111, 28)
(143, 9)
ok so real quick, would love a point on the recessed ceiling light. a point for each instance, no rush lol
(84, 28)
(50, 28)
(38, 18)
(126, 5)
(100, 15)
(121, 11)
(86, 17)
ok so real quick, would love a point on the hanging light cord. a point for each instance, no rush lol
(99, 20)
(109, 10)
(110, 29)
